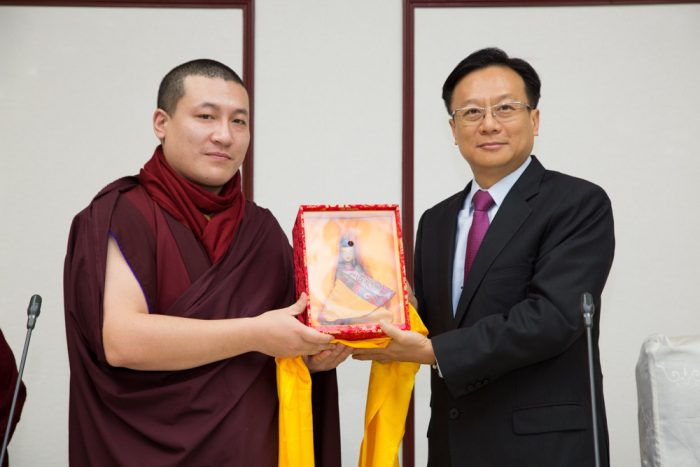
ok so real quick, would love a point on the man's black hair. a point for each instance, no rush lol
(493, 57)
(172, 87)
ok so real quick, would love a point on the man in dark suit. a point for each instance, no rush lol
(507, 340)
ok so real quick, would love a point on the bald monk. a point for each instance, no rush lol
(179, 293)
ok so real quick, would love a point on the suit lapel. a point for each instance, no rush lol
(446, 245)
(511, 215)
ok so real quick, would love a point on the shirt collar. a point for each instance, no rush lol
(500, 189)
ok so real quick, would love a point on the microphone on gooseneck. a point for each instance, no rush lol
(588, 310)
(32, 314)
(33, 311)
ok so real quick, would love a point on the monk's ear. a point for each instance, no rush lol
(160, 123)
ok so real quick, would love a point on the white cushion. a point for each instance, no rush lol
(668, 395)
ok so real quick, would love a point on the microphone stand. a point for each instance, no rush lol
(32, 312)
(588, 309)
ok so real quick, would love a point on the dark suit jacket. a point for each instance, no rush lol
(514, 389)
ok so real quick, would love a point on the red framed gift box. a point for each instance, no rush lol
(349, 260)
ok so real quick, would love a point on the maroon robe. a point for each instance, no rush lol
(8, 381)
(220, 414)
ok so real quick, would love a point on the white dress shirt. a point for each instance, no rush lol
(464, 221)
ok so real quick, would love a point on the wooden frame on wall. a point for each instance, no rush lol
(248, 10)
(407, 153)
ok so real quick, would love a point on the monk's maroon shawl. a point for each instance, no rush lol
(220, 414)
(186, 201)
(8, 381)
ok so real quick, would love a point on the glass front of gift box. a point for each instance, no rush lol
(349, 260)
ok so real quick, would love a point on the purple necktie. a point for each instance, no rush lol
(482, 202)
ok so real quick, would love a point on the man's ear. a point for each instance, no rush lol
(160, 123)
(535, 116)
(454, 129)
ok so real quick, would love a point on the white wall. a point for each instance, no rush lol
(78, 85)
(328, 126)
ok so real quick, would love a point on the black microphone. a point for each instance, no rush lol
(33, 311)
(32, 314)
(588, 310)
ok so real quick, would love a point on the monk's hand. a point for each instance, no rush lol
(405, 346)
(328, 359)
(280, 334)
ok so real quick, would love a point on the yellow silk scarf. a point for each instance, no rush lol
(388, 396)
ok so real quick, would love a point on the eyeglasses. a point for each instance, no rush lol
(472, 114)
